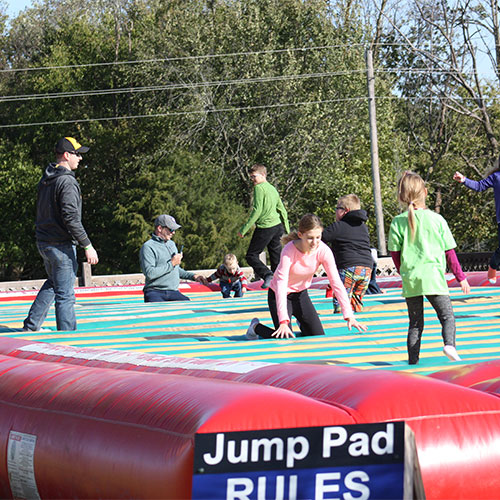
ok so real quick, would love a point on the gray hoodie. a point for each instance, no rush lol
(59, 208)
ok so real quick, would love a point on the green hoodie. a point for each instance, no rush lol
(268, 209)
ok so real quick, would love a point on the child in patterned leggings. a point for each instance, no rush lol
(350, 242)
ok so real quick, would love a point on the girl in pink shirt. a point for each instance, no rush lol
(301, 257)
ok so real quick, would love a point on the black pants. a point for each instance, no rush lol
(269, 237)
(373, 287)
(495, 258)
(299, 305)
(444, 310)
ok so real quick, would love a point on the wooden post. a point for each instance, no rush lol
(86, 274)
(379, 215)
(413, 484)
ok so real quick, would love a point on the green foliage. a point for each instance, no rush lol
(18, 179)
(203, 89)
(181, 185)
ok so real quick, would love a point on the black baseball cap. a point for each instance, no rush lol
(70, 145)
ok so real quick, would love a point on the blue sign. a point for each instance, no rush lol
(351, 462)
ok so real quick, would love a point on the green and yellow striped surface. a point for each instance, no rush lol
(210, 327)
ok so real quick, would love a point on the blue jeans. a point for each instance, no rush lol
(60, 264)
(226, 289)
(157, 295)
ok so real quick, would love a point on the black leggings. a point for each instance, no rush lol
(299, 305)
(444, 310)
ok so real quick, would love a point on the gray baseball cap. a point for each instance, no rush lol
(167, 221)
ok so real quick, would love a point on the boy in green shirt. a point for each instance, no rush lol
(271, 221)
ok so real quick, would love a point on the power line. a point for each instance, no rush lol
(227, 110)
(183, 58)
(175, 86)
(184, 113)
(216, 83)
(205, 56)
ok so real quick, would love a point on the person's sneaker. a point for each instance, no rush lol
(251, 335)
(42, 330)
(266, 282)
(492, 275)
(451, 353)
(329, 292)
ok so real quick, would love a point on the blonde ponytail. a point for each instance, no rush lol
(411, 192)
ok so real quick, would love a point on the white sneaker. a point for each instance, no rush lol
(451, 353)
(251, 335)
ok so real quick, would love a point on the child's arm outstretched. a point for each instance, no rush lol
(215, 276)
(481, 185)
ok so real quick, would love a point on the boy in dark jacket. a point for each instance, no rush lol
(350, 243)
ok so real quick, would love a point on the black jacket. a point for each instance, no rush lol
(349, 240)
(59, 207)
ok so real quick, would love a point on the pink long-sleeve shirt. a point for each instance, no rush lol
(295, 273)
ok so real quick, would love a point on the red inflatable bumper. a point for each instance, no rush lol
(77, 432)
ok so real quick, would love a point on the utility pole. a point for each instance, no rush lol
(379, 216)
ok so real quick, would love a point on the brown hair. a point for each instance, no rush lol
(306, 223)
(260, 169)
(349, 202)
(411, 192)
(494, 168)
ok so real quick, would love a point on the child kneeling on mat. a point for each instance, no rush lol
(230, 276)
(287, 296)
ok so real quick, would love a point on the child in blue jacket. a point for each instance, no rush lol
(492, 181)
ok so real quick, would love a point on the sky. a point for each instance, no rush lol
(15, 6)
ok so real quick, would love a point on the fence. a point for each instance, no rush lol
(477, 261)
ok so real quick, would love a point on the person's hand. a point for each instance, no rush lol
(201, 279)
(352, 322)
(243, 290)
(91, 255)
(240, 235)
(176, 259)
(459, 177)
(283, 332)
(464, 285)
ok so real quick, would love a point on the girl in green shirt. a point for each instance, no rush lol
(421, 244)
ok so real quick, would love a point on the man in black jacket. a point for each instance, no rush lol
(58, 230)
(350, 242)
